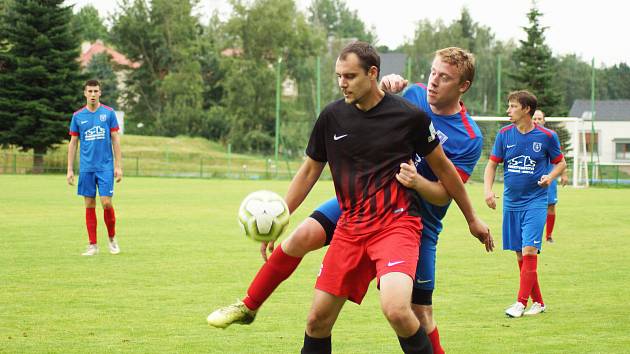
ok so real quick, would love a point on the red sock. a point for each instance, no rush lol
(536, 295)
(551, 220)
(529, 277)
(434, 337)
(110, 221)
(278, 268)
(90, 223)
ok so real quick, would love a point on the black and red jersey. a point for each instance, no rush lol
(364, 151)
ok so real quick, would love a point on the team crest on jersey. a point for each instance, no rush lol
(432, 133)
(103, 117)
(537, 147)
(443, 138)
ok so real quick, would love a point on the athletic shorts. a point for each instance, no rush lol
(552, 193)
(327, 215)
(90, 181)
(425, 270)
(351, 261)
(523, 228)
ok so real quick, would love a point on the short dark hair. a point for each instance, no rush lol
(91, 82)
(368, 57)
(525, 99)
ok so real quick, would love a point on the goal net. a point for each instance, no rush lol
(570, 131)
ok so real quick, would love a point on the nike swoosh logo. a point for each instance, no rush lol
(399, 210)
(511, 146)
(423, 281)
(339, 137)
(391, 264)
(536, 241)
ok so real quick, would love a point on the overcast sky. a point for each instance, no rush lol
(587, 28)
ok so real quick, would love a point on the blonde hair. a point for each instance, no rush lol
(463, 60)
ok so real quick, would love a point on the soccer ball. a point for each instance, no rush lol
(263, 216)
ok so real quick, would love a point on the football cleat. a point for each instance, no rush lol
(535, 309)
(515, 310)
(236, 313)
(92, 250)
(113, 247)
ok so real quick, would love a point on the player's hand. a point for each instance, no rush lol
(564, 179)
(407, 174)
(118, 174)
(481, 231)
(491, 200)
(393, 83)
(264, 246)
(545, 181)
(70, 178)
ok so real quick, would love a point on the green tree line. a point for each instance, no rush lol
(216, 78)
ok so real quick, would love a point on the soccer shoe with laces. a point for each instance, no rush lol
(92, 250)
(113, 247)
(235, 313)
(515, 310)
(535, 309)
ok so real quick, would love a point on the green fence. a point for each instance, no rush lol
(167, 165)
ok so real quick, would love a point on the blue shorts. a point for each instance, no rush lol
(523, 228)
(552, 193)
(89, 181)
(327, 214)
(425, 270)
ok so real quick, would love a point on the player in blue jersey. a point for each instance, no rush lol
(552, 194)
(96, 127)
(526, 150)
(451, 76)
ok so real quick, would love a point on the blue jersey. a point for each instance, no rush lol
(462, 142)
(94, 132)
(526, 158)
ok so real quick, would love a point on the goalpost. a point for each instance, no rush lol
(573, 141)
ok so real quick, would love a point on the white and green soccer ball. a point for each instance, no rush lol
(263, 216)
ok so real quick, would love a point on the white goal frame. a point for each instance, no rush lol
(580, 162)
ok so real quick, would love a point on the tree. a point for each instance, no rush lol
(88, 25)
(165, 93)
(43, 74)
(100, 68)
(338, 21)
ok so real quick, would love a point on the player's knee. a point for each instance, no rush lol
(424, 314)
(397, 314)
(309, 236)
(319, 323)
(107, 204)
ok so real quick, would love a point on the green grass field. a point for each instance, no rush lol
(183, 256)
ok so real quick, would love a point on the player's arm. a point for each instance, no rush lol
(546, 180)
(118, 173)
(432, 192)
(488, 180)
(72, 151)
(303, 182)
(564, 177)
(452, 182)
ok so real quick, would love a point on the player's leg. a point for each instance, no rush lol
(87, 188)
(533, 225)
(552, 200)
(422, 296)
(105, 181)
(320, 321)
(512, 241)
(312, 234)
(395, 252)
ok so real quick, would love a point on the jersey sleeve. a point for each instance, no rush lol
(113, 122)
(316, 148)
(74, 126)
(427, 137)
(555, 154)
(466, 161)
(498, 154)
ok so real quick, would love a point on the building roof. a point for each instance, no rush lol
(393, 63)
(605, 110)
(88, 50)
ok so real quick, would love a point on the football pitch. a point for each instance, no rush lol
(183, 256)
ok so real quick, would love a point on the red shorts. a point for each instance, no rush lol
(351, 262)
